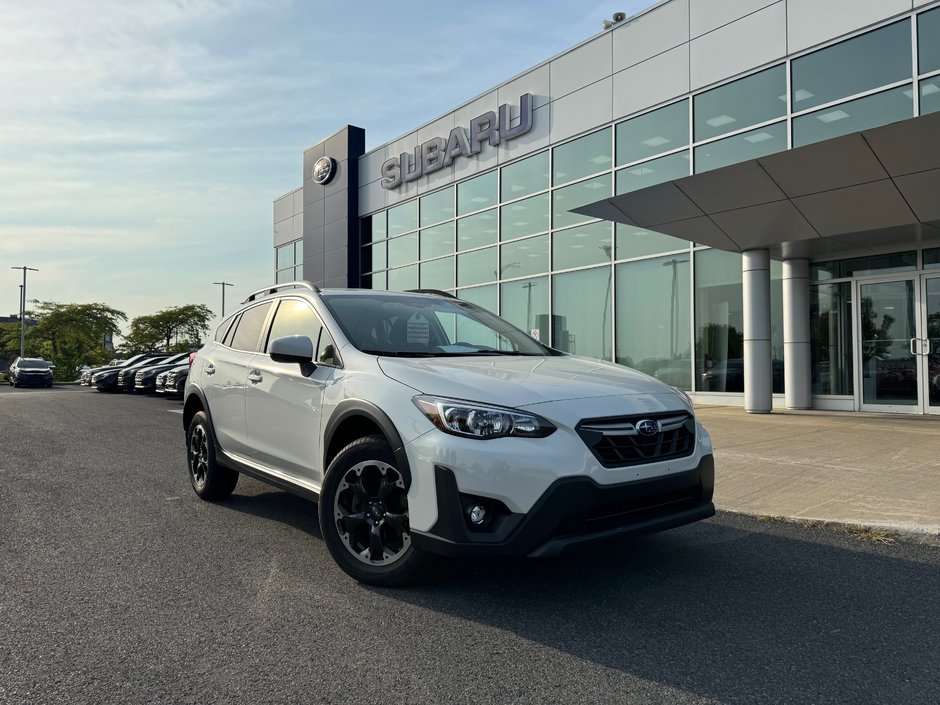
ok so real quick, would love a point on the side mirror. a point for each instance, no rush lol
(292, 348)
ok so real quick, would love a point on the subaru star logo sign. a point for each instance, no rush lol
(323, 170)
(647, 427)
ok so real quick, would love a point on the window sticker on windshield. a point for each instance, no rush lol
(418, 330)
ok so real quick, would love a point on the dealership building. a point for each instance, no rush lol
(739, 197)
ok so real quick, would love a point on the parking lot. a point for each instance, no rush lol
(118, 585)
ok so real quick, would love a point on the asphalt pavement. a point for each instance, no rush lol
(118, 585)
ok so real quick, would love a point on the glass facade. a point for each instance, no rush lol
(289, 262)
(507, 240)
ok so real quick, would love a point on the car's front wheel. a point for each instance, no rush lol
(209, 479)
(364, 515)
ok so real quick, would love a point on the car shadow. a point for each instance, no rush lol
(275, 505)
(718, 610)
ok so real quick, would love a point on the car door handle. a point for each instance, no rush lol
(210, 368)
(255, 376)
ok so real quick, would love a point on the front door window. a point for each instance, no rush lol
(887, 327)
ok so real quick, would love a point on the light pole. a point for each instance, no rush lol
(223, 285)
(23, 309)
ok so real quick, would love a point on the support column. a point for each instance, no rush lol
(796, 348)
(758, 388)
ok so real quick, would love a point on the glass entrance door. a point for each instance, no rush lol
(928, 347)
(889, 363)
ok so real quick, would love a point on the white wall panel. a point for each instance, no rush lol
(582, 110)
(371, 197)
(634, 90)
(535, 82)
(706, 15)
(652, 33)
(284, 207)
(812, 22)
(744, 44)
(533, 140)
(370, 165)
(580, 67)
(298, 201)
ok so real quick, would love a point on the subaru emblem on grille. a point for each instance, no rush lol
(647, 427)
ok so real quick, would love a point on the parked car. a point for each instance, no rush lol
(30, 372)
(427, 425)
(85, 379)
(145, 378)
(176, 380)
(111, 379)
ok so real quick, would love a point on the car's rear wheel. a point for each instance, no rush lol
(209, 479)
(364, 515)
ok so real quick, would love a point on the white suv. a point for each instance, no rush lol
(423, 424)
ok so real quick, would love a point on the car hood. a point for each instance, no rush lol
(519, 381)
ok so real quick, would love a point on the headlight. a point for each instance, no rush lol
(478, 421)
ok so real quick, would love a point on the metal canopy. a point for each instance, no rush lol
(870, 191)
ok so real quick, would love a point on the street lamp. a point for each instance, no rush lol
(223, 285)
(23, 309)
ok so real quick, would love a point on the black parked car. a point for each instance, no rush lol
(145, 379)
(30, 372)
(175, 383)
(112, 379)
(86, 378)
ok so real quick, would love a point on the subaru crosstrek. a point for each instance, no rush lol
(423, 425)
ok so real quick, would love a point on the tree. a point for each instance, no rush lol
(72, 334)
(176, 328)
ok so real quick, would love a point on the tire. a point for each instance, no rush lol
(364, 512)
(209, 479)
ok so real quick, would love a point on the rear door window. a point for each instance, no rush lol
(248, 333)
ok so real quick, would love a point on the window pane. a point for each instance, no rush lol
(284, 275)
(484, 296)
(294, 318)
(379, 259)
(525, 217)
(403, 278)
(476, 267)
(437, 241)
(248, 334)
(581, 316)
(719, 322)
(861, 114)
(476, 193)
(776, 326)
(582, 157)
(932, 258)
(928, 42)
(380, 281)
(632, 241)
(403, 250)
(580, 194)
(653, 311)
(376, 227)
(750, 145)
(402, 218)
(285, 256)
(930, 95)
(654, 172)
(659, 131)
(525, 305)
(744, 102)
(477, 230)
(437, 206)
(326, 350)
(438, 274)
(525, 257)
(299, 252)
(525, 177)
(860, 64)
(579, 247)
(865, 266)
(298, 273)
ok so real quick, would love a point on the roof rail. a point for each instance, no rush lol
(277, 287)
(436, 292)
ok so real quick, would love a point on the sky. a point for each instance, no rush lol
(143, 143)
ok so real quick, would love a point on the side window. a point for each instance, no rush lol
(231, 331)
(326, 352)
(294, 317)
(248, 333)
(224, 328)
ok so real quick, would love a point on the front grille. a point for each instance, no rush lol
(616, 442)
(139, 377)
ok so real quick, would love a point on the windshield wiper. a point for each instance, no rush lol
(399, 353)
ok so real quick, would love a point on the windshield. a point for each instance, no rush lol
(33, 365)
(426, 326)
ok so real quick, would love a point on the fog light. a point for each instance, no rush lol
(477, 514)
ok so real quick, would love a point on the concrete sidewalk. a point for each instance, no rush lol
(875, 470)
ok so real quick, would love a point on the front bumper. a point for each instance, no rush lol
(105, 385)
(34, 380)
(573, 511)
